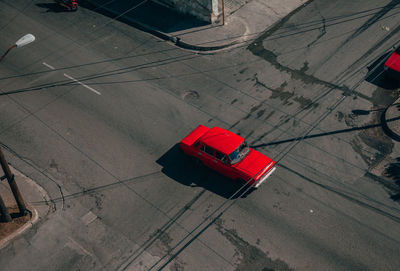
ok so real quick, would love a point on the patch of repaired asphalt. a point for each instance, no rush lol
(252, 258)
(374, 146)
(374, 138)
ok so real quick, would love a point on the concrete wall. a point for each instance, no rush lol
(206, 10)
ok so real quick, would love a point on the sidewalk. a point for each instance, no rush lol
(31, 192)
(243, 21)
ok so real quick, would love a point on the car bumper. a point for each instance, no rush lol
(264, 177)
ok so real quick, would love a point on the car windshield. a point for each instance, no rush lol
(239, 153)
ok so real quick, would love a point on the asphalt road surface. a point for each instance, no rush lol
(93, 109)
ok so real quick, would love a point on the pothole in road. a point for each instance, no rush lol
(190, 95)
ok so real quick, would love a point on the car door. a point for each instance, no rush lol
(206, 155)
(222, 165)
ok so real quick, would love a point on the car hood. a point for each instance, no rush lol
(253, 163)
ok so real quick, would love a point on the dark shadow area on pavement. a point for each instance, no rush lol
(379, 77)
(52, 7)
(15, 214)
(348, 196)
(186, 171)
(393, 171)
(147, 13)
(287, 30)
(361, 112)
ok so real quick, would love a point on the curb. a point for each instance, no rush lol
(34, 212)
(35, 217)
(175, 40)
(389, 132)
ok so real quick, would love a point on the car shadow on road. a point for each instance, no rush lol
(379, 77)
(186, 171)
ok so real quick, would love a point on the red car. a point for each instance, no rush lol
(228, 154)
(392, 64)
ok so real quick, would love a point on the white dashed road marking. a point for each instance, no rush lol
(48, 66)
(88, 218)
(77, 247)
(86, 86)
(73, 79)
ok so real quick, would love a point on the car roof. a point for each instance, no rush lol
(221, 140)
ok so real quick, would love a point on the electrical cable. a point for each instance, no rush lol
(62, 196)
(322, 117)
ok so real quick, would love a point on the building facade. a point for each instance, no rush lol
(206, 10)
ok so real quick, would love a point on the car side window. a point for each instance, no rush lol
(196, 144)
(207, 150)
(220, 156)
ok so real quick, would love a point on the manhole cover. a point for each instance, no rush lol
(190, 95)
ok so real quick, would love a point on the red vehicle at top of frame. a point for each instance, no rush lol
(71, 5)
(229, 154)
(392, 64)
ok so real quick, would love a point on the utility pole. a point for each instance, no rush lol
(223, 12)
(8, 50)
(28, 38)
(13, 185)
(5, 216)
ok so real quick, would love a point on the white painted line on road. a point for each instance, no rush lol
(77, 247)
(88, 218)
(86, 86)
(48, 66)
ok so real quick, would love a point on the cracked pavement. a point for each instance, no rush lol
(129, 197)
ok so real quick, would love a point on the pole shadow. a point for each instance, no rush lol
(184, 170)
(15, 214)
(354, 129)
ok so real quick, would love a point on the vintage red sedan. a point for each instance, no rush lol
(229, 154)
(392, 64)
